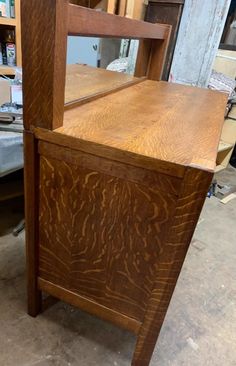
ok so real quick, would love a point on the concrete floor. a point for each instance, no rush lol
(199, 329)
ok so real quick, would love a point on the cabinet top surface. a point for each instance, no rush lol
(164, 121)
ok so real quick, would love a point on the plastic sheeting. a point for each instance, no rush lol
(11, 152)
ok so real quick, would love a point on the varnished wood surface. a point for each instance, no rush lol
(90, 306)
(188, 208)
(113, 196)
(115, 236)
(84, 81)
(111, 153)
(111, 242)
(31, 187)
(44, 56)
(146, 177)
(169, 122)
(151, 57)
(84, 21)
(44, 41)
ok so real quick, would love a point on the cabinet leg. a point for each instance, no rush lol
(144, 348)
(31, 170)
(34, 302)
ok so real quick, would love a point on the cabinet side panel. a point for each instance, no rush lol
(100, 235)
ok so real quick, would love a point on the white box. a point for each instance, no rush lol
(16, 94)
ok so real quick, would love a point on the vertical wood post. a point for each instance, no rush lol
(44, 42)
(187, 212)
(31, 219)
(151, 57)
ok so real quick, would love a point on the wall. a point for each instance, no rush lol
(199, 36)
(81, 50)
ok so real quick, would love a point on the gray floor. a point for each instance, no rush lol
(200, 327)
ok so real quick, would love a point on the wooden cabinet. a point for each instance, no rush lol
(117, 169)
(166, 12)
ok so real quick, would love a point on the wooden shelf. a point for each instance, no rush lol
(16, 23)
(8, 21)
(7, 70)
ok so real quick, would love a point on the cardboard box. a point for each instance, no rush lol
(226, 147)
(5, 91)
(225, 62)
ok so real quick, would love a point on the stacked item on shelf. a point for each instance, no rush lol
(7, 8)
(10, 36)
(7, 47)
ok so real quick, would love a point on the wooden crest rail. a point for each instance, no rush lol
(116, 179)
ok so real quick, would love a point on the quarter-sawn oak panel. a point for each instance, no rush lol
(101, 236)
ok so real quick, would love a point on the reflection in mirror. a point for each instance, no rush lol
(96, 66)
(107, 53)
(83, 50)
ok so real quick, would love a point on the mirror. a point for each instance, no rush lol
(98, 65)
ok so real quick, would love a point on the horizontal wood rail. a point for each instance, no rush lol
(90, 306)
(89, 22)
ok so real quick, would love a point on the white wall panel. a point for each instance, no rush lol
(199, 36)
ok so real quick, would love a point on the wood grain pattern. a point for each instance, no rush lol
(44, 57)
(89, 306)
(44, 40)
(115, 236)
(146, 177)
(169, 122)
(188, 208)
(31, 187)
(88, 22)
(114, 154)
(113, 195)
